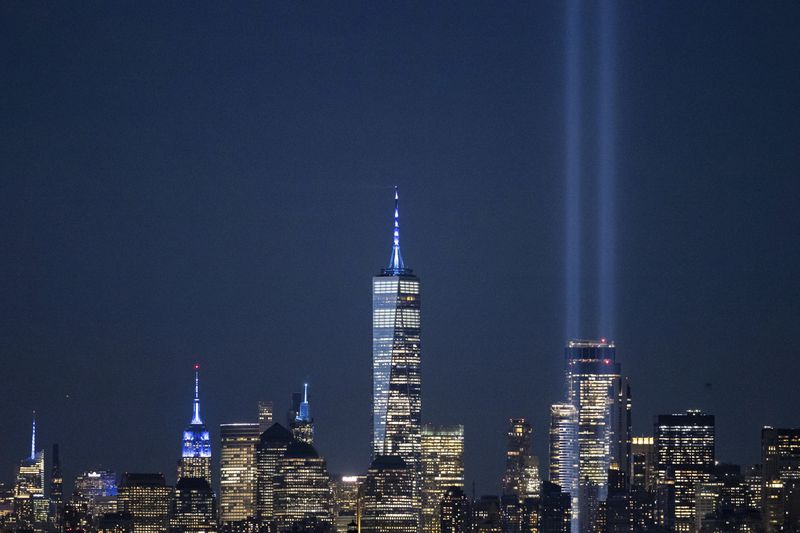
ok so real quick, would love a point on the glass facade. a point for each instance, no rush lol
(146, 497)
(442, 469)
(684, 446)
(237, 456)
(396, 377)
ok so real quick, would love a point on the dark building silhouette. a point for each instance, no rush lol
(56, 491)
(555, 509)
(194, 508)
(389, 497)
(454, 512)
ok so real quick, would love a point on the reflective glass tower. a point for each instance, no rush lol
(396, 395)
(196, 456)
(593, 385)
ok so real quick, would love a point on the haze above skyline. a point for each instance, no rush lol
(215, 185)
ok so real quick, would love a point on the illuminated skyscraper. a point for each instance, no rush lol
(270, 449)
(196, 456)
(301, 490)
(30, 472)
(303, 425)
(95, 492)
(396, 392)
(684, 446)
(593, 387)
(442, 469)
(29, 487)
(147, 498)
(780, 459)
(346, 493)
(564, 450)
(237, 472)
(521, 478)
(389, 502)
(193, 509)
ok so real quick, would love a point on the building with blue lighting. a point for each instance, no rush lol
(396, 378)
(196, 454)
(303, 425)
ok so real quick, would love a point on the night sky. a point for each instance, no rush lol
(213, 182)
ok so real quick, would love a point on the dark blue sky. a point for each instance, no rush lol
(211, 182)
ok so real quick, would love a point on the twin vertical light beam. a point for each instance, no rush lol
(604, 202)
(606, 141)
(572, 199)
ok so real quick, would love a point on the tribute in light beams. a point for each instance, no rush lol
(606, 173)
(572, 198)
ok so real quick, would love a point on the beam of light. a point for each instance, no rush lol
(572, 197)
(606, 176)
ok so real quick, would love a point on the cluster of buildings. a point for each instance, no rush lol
(272, 478)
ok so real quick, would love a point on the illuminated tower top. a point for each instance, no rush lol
(396, 266)
(33, 438)
(196, 439)
(196, 413)
(303, 425)
(304, 413)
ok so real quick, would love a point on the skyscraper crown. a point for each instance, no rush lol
(396, 266)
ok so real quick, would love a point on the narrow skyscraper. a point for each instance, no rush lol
(303, 425)
(521, 478)
(237, 471)
(56, 491)
(396, 382)
(196, 456)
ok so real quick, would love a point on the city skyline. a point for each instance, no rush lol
(224, 200)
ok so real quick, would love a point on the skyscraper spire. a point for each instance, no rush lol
(33, 438)
(196, 413)
(396, 265)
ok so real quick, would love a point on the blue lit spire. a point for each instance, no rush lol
(396, 265)
(196, 412)
(304, 413)
(33, 438)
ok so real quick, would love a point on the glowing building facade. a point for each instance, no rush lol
(442, 470)
(237, 472)
(396, 386)
(29, 488)
(301, 490)
(271, 447)
(780, 459)
(593, 388)
(96, 492)
(564, 447)
(521, 478)
(146, 497)
(196, 455)
(684, 448)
